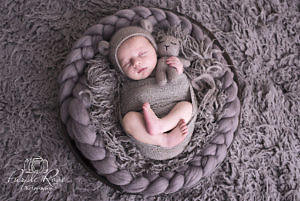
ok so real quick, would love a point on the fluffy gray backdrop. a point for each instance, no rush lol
(262, 38)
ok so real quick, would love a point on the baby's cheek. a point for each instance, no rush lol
(153, 61)
(128, 73)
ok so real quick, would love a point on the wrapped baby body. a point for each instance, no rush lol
(162, 99)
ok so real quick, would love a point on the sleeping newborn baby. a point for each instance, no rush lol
(151, 114)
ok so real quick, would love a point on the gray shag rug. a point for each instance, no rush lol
(261, 37)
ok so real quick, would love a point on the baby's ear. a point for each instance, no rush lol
(103, 47)
(147, 24)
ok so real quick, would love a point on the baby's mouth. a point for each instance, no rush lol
(142, 69)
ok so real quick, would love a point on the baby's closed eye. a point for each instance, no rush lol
(143, 53)
(127, 65)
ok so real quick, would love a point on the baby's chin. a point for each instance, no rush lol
(142, 75)
(139, 77)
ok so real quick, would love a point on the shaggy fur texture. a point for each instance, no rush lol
(262, 38)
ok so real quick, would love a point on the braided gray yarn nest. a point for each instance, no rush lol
(90, 148)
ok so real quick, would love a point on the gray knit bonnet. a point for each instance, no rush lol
(123, 34)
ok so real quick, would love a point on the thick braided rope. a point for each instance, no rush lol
(75, 116)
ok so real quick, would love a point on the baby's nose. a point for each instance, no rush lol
(135, 61)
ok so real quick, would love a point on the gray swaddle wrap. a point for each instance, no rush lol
(162, 99)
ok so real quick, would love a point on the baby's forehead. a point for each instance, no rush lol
(134, 43)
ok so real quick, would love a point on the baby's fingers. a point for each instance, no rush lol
(172, 64)
(173, 58)
(171, 61)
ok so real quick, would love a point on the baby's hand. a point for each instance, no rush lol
(175, 63)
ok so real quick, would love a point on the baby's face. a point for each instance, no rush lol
(137, 57)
